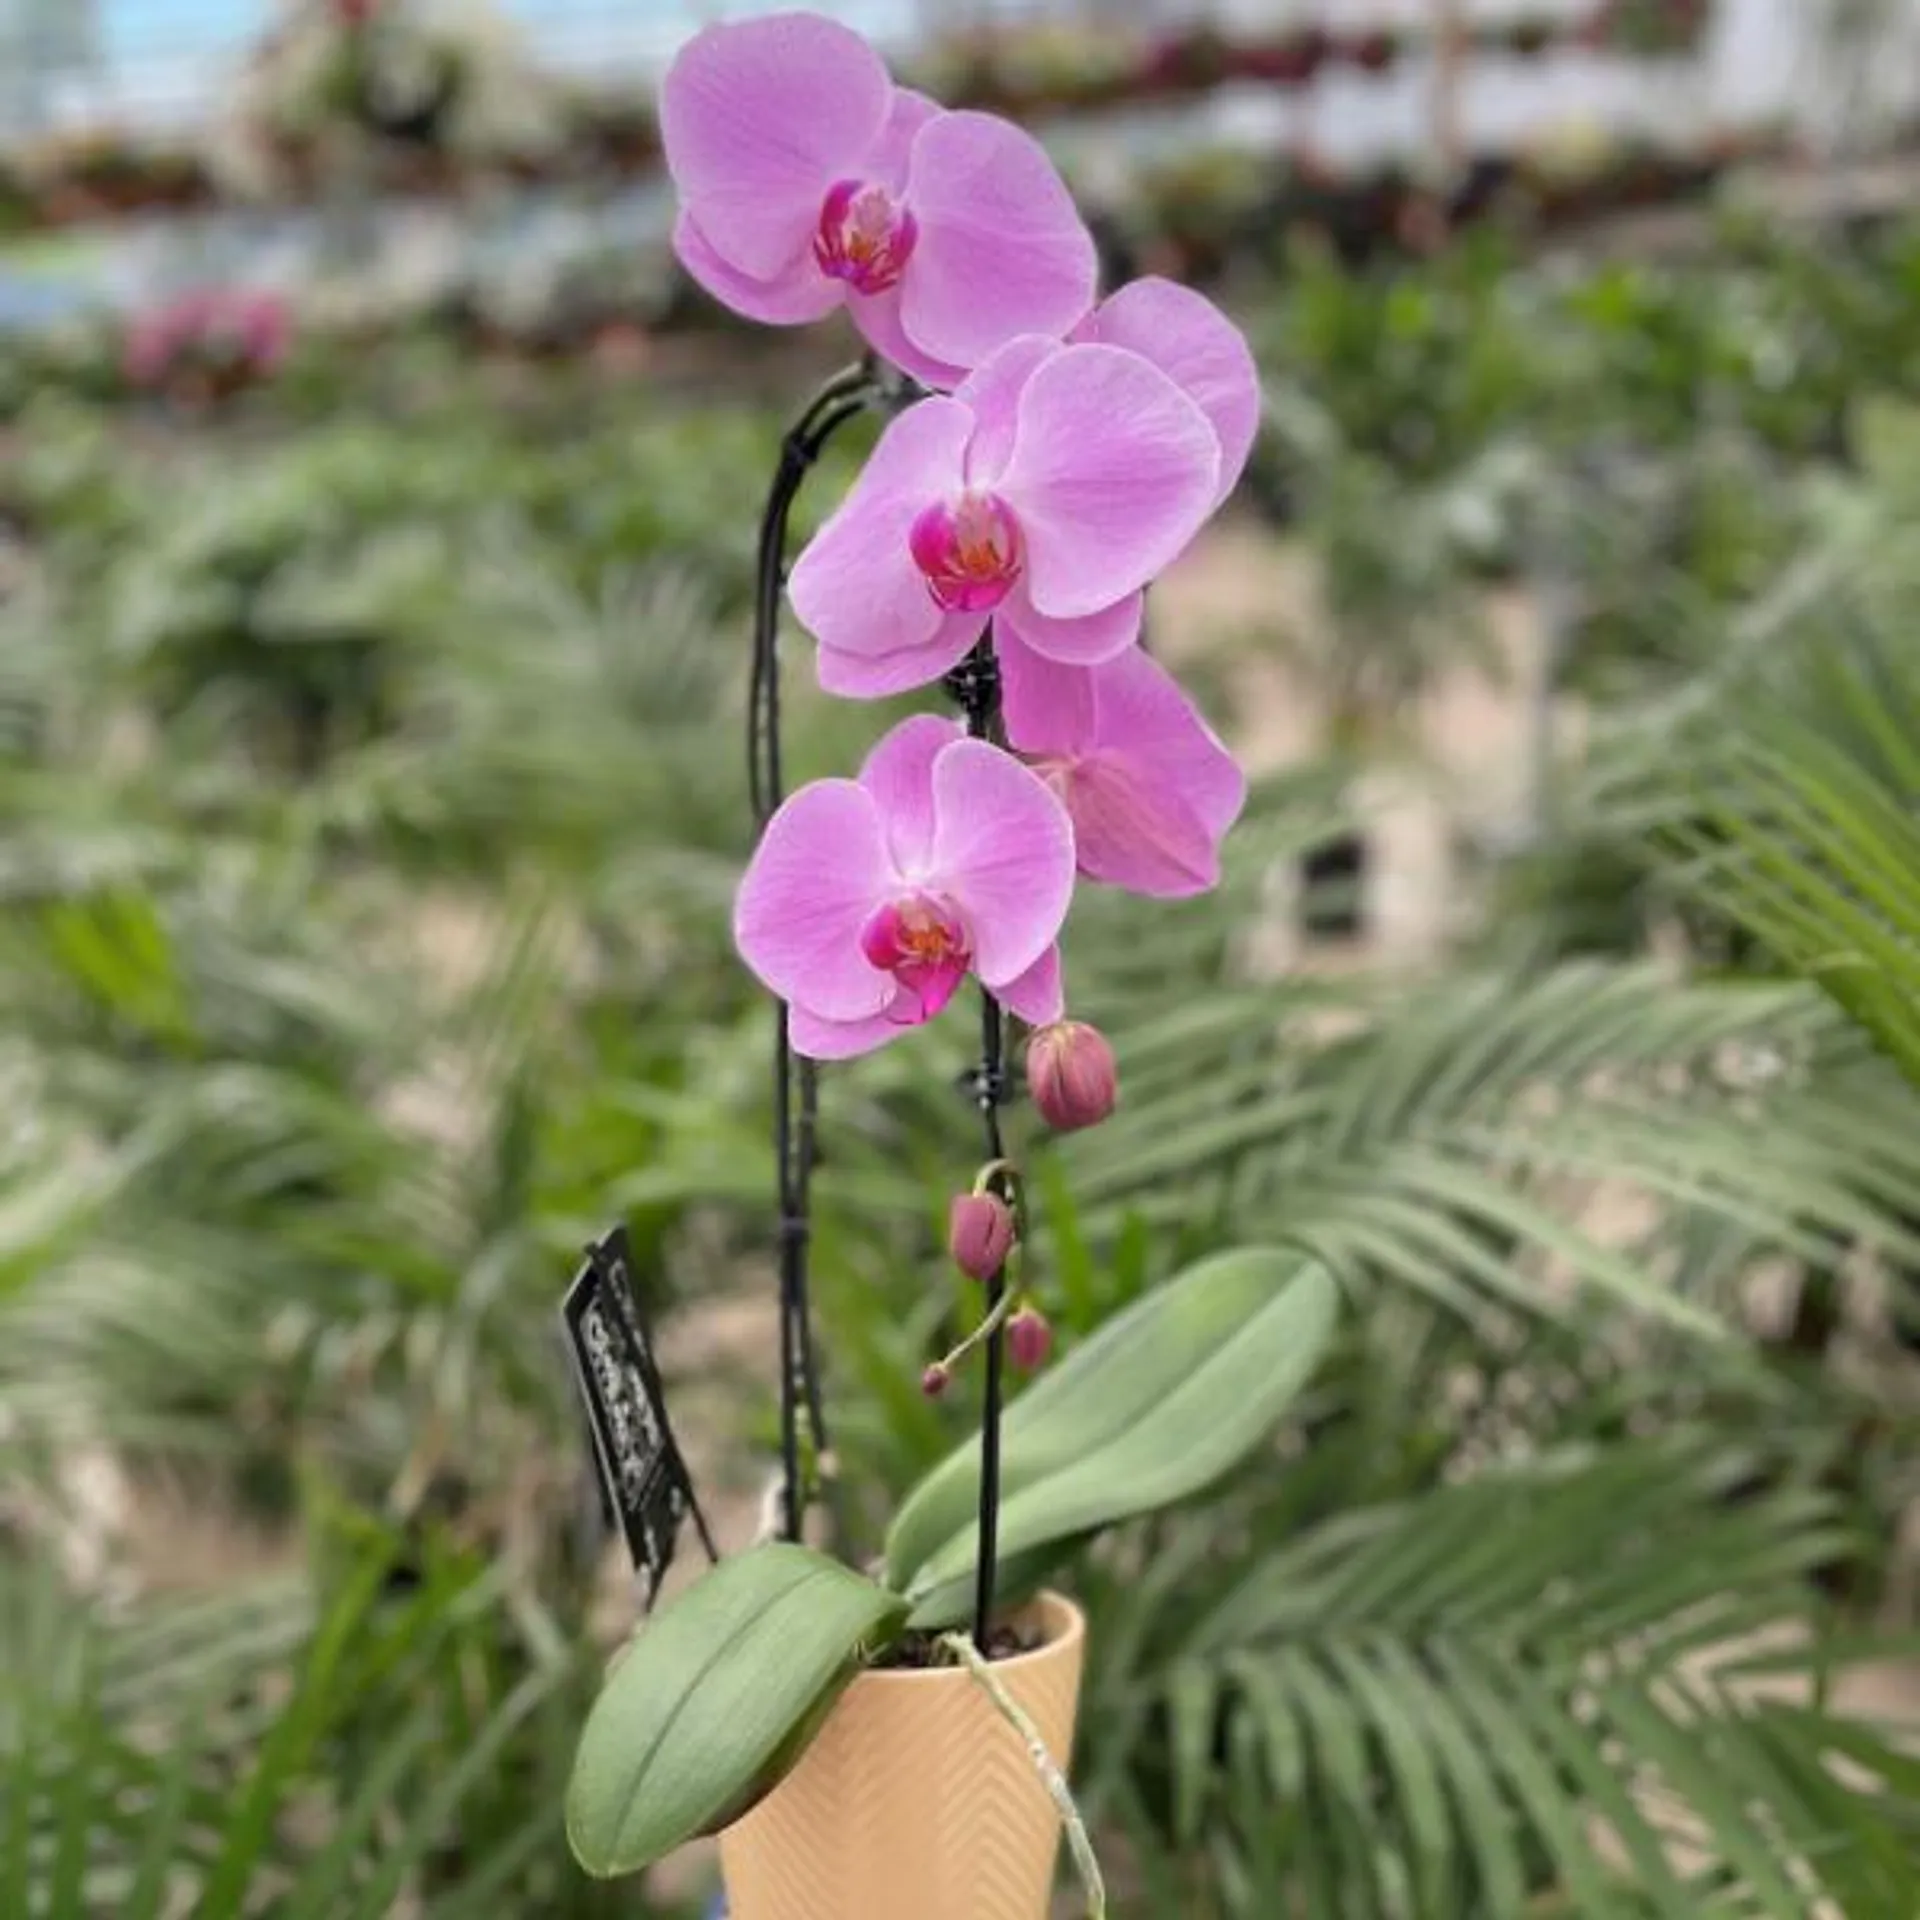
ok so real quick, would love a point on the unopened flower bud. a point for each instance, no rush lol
(933, 1383)
(979, 1234)
(1071, 1075)
(1029, 1339)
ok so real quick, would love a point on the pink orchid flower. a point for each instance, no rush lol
(1147, 783)
(868, 901)
(808, 180)
(1044, 494)
(1199, 349)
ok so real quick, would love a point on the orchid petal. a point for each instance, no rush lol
(1002, 249)
(1038, 995)
(877, 315)
(855, 587)
(1143, 712)
(992, 392)
(816, 1039)
(1003, 852)
(898, 773)
(758, 119)
(891, 157)
(1113, 472)
(863, 676)
(798, 294)
(1082, 642)
(815, 879)
(1130, 831)
(1199, 349)
(1043, 702)
(1152, 791)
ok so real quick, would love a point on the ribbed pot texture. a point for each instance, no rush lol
(917, 1801)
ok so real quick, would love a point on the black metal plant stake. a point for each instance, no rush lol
(975, 686)
(795, 1083)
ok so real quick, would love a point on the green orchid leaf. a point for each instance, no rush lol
(1161, 1401)
(1016, 1581)
(716, 1699)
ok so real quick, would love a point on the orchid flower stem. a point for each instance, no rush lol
(1002, 1174)
(999, 1299)
(997, 1316)
(1079, 1843)
(846, 395)
(975, 684)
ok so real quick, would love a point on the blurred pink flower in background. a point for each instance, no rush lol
(212, 340)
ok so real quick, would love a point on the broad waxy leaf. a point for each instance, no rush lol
(1162, 1400)
(699, 1715)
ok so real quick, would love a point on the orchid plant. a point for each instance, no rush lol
(1046, 456)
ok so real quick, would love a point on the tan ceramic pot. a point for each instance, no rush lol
(917, 1801)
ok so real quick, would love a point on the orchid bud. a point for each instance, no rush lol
(1029, 1339)
(980, 1234)
(1071, 1075)
(933, 1383)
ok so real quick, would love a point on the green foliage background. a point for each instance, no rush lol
(369, 810)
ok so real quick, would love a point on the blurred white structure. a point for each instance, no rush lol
(164, 62)
(1842, 69)
(46, 48)
(166, 66)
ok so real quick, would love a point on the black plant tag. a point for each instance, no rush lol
(647, 1484)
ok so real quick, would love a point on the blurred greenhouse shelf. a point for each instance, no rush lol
(107, 89)
(159, 61)
(154, 63)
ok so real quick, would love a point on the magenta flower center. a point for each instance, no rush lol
(865, 236)
(969, 550)
(921, 940)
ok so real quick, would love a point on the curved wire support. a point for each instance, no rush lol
(795, 1082)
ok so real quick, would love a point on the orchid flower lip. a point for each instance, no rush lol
(865, 236)
(922, 940)
(969, 550)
